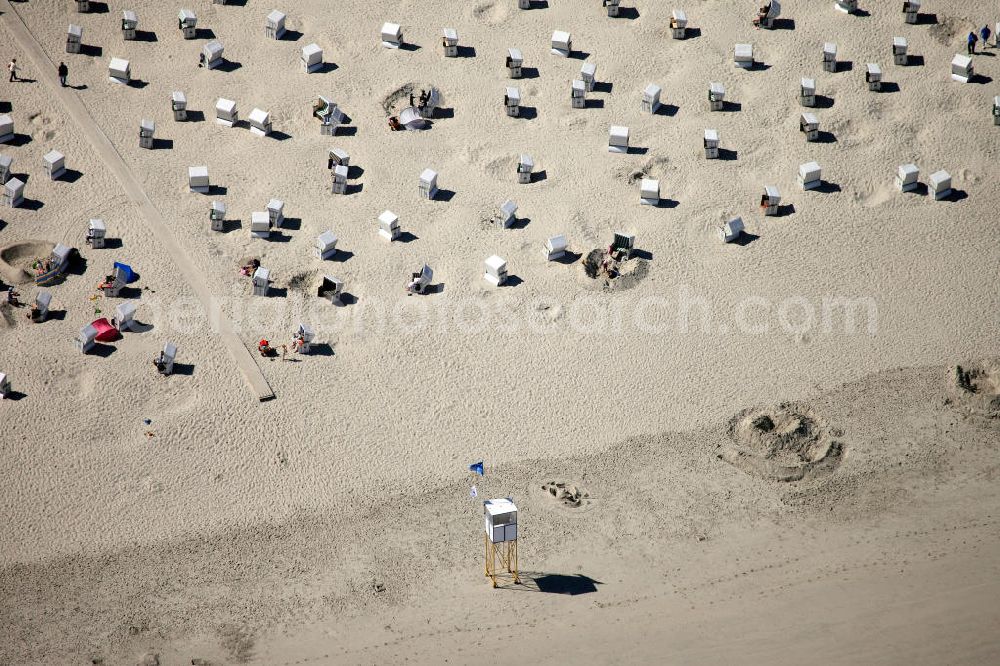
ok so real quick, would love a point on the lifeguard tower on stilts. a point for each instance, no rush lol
(500, 517)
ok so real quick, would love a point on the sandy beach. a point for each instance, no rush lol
(770, 452)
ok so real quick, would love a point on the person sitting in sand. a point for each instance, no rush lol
(250, 268)
(394, 123)
(761, 15)
(265, 348)
(12, 297)
(158, 362)
(109, 282)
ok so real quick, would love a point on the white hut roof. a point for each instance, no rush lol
(259, 116)
(75, 30)
(515, 54)
(809, 169)
(213, 49)
(711, 135)
(525, 160)
(450, 34)
(61, 252)
(178, 96)
(326, 239)
(428, 176)
(125, 309)
(499, 507)
(512, 93)
(388, 217)
(939, 177)
(225, 105)
(97, 225)
(275, 17)
(652, 90)
(496, 263)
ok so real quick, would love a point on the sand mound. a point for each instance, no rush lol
(7, 318)
(567, 494)
(654, 167)
(945, 30)
(16, 259)
(783, 443)
(564, 495)
(303, 282)
(976, 387)
(621, 275)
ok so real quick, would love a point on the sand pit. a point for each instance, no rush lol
(976, 388)
(787, 442)
(566, 494)
(399, 99)
(620, 275)
(16, 260)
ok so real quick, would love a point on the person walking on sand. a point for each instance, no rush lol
(972, 43)
(12, 68)
(63, 73)
(984, 35)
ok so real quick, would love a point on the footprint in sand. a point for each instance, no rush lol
(491, 12)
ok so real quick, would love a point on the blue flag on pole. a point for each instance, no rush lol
(477, 468)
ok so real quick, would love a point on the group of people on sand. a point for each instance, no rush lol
(42, 266)
(425, 97)
(250, 268)
(984, 35)
(265, 349)
(13, 299)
